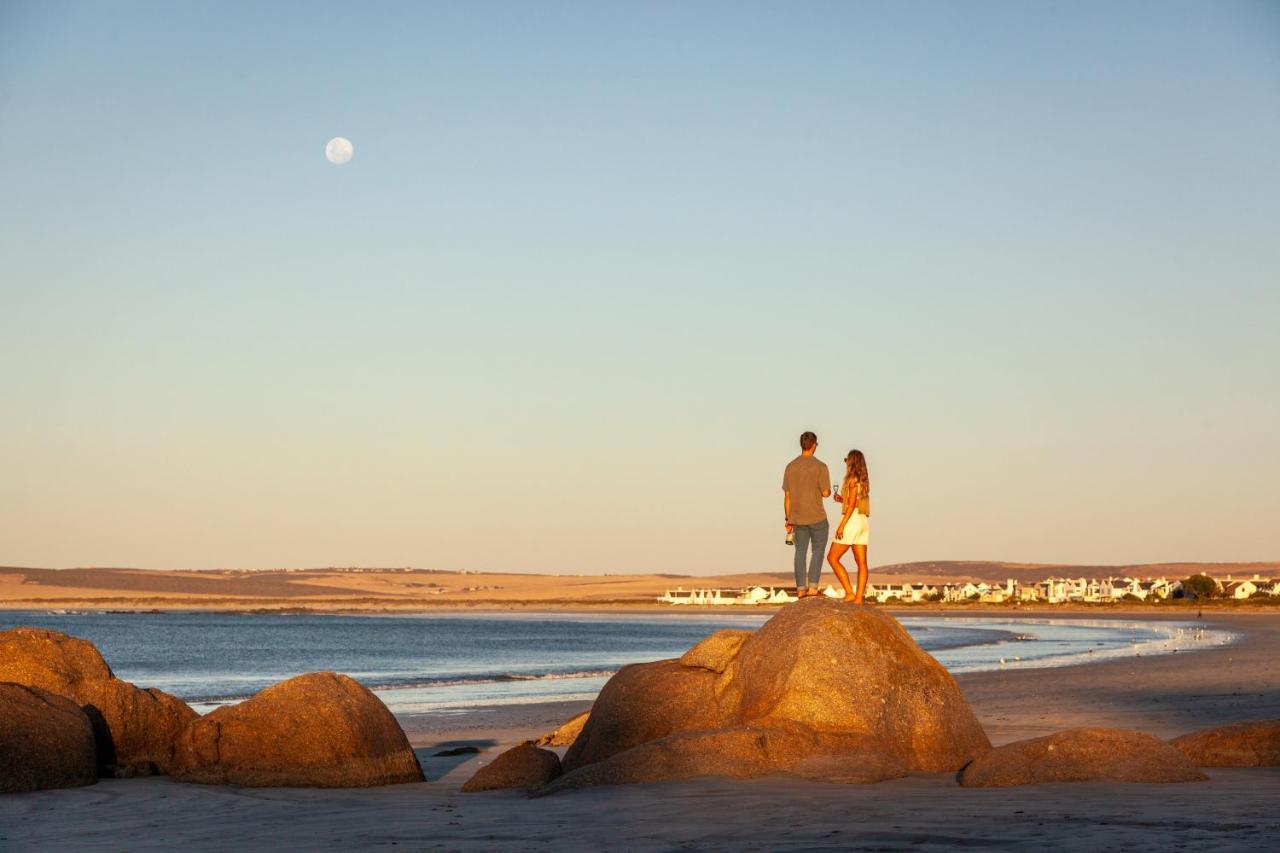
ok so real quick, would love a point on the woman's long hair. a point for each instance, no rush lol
(856, 468)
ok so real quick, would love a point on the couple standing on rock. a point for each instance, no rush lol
(805, 483)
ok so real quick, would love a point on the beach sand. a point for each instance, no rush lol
(1165, 695)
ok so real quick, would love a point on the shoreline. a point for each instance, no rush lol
(273, 607)
(1121, 638)
(1165, 695)
(521, 721)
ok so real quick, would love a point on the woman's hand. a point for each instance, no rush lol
(838, 498)
(840, 532)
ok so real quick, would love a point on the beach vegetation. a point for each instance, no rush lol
(1200, 586)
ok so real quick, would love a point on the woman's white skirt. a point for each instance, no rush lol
(857, 530)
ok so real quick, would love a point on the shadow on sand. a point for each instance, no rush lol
(436, 765)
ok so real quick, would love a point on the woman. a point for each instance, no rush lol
(854, 530)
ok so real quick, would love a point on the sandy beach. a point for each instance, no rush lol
(1165, 695)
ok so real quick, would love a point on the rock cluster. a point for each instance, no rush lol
(65, 719)
(134, 729)
(824, 690)
(321, 730)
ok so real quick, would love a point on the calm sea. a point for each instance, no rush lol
(442, 663)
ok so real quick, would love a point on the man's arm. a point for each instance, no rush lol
(786, 509)
(826, 481)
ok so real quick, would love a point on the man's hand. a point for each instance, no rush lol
(788, 526)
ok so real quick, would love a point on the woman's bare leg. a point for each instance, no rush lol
(860, 556)
(833, 559)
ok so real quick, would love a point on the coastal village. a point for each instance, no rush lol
(1049, 591)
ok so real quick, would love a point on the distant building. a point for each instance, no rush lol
(1049, 590)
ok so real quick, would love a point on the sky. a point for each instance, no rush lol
(594, 267)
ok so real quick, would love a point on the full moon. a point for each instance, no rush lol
(339, 150)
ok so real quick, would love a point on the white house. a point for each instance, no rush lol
(1239, 589)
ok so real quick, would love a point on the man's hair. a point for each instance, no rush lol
(808, 441)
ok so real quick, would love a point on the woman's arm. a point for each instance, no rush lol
(849, 506)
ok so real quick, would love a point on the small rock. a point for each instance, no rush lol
(566, 734)
(1253, 744)
(1081, 755)
(525, 767)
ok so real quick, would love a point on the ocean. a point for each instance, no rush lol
(447, 663)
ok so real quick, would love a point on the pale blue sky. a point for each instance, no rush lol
(611, 259)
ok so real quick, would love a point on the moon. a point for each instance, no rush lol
(339, 150)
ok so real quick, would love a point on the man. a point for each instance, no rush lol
(805, 483)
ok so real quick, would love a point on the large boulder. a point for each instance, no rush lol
(1254, 744)
(1081, 755)
(644, 702)
(824, 689)
(838, 667)
(566, 734)
(741, 752)
(320, 730)
(524, 766)
(46, 741)
(135, 729)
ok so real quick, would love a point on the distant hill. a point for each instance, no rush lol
(989, 570)
(400, 588)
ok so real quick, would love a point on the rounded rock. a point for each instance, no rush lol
(320, 730)
(1081, 755)
(46, 741)
(838, 667)
(525, 767)
(1252, 744)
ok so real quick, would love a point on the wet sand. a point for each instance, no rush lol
(1165, 695)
